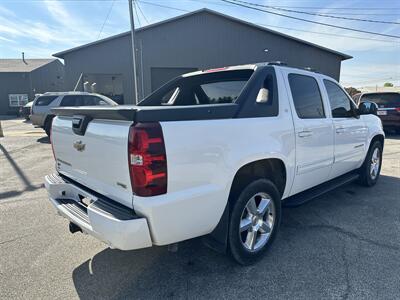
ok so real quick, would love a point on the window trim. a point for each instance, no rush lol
(320, 94)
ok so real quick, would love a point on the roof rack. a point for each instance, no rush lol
(277, 63)
(311, 69)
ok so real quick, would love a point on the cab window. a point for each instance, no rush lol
(306, 96)
(341, 105)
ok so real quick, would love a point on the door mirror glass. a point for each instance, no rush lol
(262, 96)
(367, 108)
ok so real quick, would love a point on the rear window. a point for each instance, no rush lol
(223, 91)
(205, 88)
(44, 100)
(383, 98)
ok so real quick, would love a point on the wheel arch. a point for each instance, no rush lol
(272, 168)
(378, 137)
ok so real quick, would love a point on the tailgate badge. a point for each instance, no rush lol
(79, 145)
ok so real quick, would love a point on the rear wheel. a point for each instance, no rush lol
(371, 168)
(254, 221)
(47, 125)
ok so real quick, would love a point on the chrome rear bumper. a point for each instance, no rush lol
(116, 225)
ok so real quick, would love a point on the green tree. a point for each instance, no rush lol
(352, 91)
(388, 84)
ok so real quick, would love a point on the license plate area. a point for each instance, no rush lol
(382, 112)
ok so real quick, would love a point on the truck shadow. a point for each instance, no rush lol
(308, 258)
(28, 186)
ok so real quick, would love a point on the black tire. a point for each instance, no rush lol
(366, 178)
(47, 125)
(238, 250)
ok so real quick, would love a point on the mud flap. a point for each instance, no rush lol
(218, 238)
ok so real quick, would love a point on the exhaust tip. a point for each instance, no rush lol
(74, 228)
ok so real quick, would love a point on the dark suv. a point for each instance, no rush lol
(388, 107)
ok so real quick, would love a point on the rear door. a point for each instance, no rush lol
(350, 130)
(313, 130)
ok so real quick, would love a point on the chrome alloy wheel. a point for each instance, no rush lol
(375, 163)
(257, 221)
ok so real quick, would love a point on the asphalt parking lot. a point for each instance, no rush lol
(345, 245)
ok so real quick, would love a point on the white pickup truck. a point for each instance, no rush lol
(213, 153)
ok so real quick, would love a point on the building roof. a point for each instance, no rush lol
(18, 65)
(204, 10)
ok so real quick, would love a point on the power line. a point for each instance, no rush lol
(164, 6)
(141, 12)
(105, 21)
(310, 21)
(288, 28)
(329, 34)
(136, 13)
(316, 14)
(314, 7)
(216, 2)
(372, 80)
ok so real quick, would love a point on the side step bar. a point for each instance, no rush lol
(303, 197)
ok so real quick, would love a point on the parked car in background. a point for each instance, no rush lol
(25, 111)
(41, 115)
(388, 107)
(211, 153)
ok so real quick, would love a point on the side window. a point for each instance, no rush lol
(306, 96)
(93, 101)
(44, 100)
(340, 104)
(72, 100)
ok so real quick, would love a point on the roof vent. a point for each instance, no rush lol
(277, 63)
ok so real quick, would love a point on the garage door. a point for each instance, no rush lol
(159, 76)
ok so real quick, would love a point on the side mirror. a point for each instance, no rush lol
(262, 96)
(367, 108)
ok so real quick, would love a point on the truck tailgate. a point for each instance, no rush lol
(98, 159)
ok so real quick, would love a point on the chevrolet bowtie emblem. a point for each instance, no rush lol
(79, 145)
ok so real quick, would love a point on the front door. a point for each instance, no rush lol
(313, 130)
(350, 131)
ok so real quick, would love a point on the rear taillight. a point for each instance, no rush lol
(397, 109)
(147, 159)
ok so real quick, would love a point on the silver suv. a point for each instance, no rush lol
(41, 115)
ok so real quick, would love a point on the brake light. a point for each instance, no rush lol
(147, 159)
(397, 109)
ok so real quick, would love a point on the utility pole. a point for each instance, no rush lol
(133, 50)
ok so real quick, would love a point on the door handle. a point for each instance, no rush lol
(340, 130)
(305, 133)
